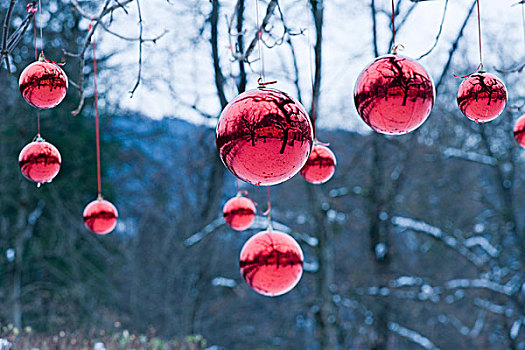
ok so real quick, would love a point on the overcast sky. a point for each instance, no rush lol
(178, 71)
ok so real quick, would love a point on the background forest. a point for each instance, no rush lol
(418, 242)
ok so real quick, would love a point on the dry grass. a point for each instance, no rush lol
(12, 338)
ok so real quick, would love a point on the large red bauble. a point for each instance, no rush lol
(100, 216)
(39, 161)
(482, 97)
(271, 263)
(264, 136)
(394, 95)
(519, 131)
(239, 213)
(43, 84)
(320, 166)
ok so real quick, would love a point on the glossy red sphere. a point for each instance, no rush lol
(239, 213)
(271, 263)
(482, 97)
(43, 84)
(519, 131)
(264, 136)
(39, 161)
(394, 95)
(100, 216)
(320, 166)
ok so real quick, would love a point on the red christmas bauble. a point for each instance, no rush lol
(519, 131)
(482, 97)
(39, 161)
(271, 263)
(239, 213)
(100, 216)
(264, 136)
(43, 84)
(320, 166)
(394, 95)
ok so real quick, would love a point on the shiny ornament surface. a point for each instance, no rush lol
(39, 161)
(519, 131)
(100, 216)
(482, 97)
(394, 95)
(271, 263)
(320, 166)
(239, 213)
(43, 84)
(264, 137)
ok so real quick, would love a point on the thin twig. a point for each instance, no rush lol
(455, 46)
(81, 54)
(141, 41)
(438, 34)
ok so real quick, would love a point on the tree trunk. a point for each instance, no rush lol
(327, 314)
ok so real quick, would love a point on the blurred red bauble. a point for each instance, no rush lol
(320, 166)
(271, 263)
(394, 95)
(264, 136)
(39, 161)
(239, 213)
(482, 97)
(100, 216)
(519, 131)
(43, 84)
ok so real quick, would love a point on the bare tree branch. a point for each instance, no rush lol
(438, 34)
(454, 47)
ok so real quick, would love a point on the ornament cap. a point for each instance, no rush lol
(397, 47)
(263, 84)
(100, 197)
(41, 57)
(481, 69)
(38, 138)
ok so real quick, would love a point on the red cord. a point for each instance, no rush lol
(97, 127)
(38, 121)
(393, 25)
(479, 36)
(41, 35)
(269, 202)
(34, 35)
(312, 109)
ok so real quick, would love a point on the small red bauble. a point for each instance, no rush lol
(519, 131)
(43, 84)
(100, 216)
(39, 161)
(320, 166)
(271, 263)
(394, 95)
(239, 213)
(482, 97)
(264, 136)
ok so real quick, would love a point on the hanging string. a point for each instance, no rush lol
(268, 211)
(237, 187)
(393, 26)
(35, 37)
(395, 47)
(259, 35)
(40, 23)
(97, 124)
(310, 66)
(523, 23)
(30, 8)
(38, 121)
(480, 67)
